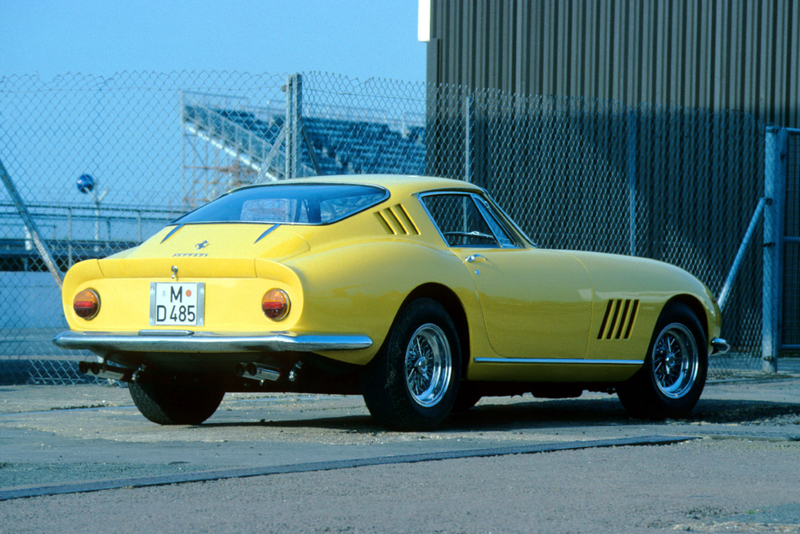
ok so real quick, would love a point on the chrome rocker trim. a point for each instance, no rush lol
(558, 360)
(188, 341)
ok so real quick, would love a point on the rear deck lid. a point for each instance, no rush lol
(205, 250)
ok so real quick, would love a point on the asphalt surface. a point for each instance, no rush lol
(741, 473)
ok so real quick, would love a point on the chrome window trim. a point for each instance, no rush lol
(477, 199)
(492, 220)
(510, 221)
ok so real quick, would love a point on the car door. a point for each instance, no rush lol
(536, 304)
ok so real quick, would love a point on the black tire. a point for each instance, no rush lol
(412, 383)
(178, 403)
(674, 373)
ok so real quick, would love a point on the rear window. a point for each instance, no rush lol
(288, 204)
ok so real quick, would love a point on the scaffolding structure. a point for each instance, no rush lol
(227, 143)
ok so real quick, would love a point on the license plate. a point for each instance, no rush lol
(177, 304)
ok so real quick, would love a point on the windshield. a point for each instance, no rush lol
(288, 204)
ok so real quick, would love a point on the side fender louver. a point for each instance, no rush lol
(396, 221)
(619, 319)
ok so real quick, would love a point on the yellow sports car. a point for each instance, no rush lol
(418, 293)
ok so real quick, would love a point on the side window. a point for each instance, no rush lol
(460, 221)
(498, 228)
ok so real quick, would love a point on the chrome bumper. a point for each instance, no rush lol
(188, 341)
(720, 346)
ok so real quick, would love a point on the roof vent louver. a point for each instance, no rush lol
(619, 319)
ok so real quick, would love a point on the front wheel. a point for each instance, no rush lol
(672, 378)
(413, 381)
(183, 402)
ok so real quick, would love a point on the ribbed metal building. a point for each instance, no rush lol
(631, 116)
(739, 55)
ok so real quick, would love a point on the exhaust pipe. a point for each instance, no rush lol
(105, 371)
(253, 372)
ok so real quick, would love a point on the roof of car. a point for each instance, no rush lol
(395, 183)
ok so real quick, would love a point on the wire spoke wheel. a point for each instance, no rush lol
(427, 362)
(413, 381)
(670, 382)
(675, 361)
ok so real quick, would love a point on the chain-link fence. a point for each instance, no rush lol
(673, 184)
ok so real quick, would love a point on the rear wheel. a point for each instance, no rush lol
(672, 378)
(413, 381)
(181, 402)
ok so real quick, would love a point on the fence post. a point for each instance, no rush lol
(468, 128)
(632, 178)
(294, 109)
(775, 150)
(69, 238)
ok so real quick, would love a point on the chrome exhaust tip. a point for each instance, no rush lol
(101, 370)
(252, 371)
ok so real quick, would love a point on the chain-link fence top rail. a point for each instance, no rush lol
(668, 183)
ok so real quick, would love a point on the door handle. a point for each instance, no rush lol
(473, 258)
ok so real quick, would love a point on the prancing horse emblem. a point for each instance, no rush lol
(201, 246)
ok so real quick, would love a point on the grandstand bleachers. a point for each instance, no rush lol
(341, 146)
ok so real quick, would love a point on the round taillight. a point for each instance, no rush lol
(86, 304)
(275, 304)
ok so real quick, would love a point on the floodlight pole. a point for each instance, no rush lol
(97, 200)
(88, 188)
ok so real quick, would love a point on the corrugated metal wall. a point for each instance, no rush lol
(718, 54)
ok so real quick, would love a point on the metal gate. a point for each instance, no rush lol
(790, 323)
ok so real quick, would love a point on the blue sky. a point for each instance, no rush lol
(357, 38)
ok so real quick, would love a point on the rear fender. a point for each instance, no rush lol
(362, 287)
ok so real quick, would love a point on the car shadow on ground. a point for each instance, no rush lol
(553, 414)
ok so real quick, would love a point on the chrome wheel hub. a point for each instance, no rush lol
(428, 364)
(675, 360)
(669, 361)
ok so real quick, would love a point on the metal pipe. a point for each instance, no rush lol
(775, 152)
(468, 134)
(632, 180)
(41, 246)
(737, 262)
